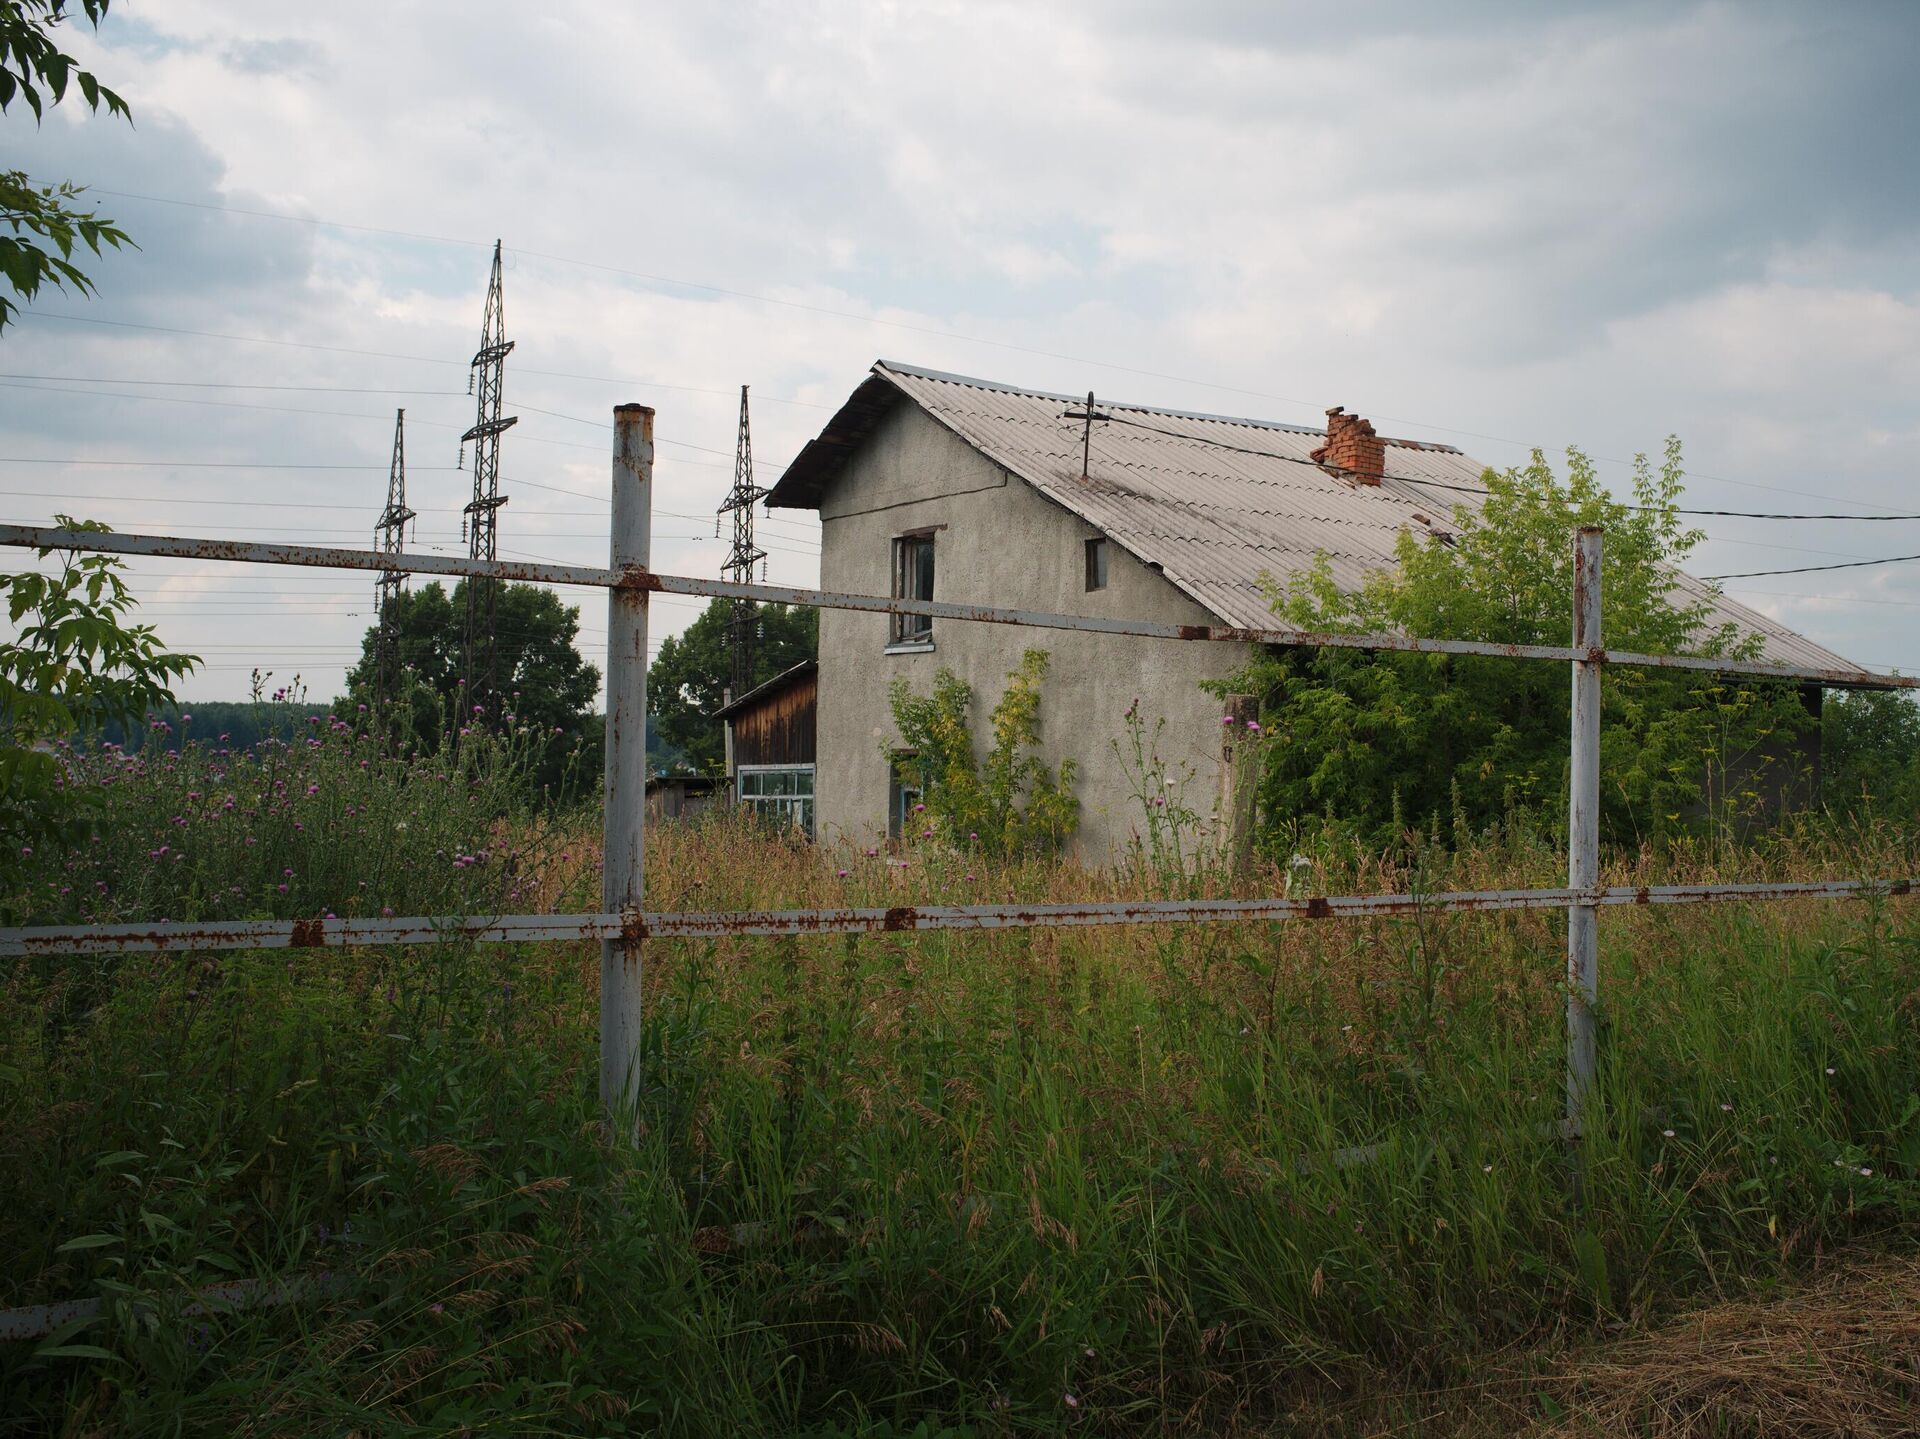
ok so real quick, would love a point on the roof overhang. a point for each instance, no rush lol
(805, 481)
(767, 688)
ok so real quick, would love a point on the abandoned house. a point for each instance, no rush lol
(936, 486)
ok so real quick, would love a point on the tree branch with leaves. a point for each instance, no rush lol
(74, 664)
(41, 226)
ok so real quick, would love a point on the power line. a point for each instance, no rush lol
(798, 305)
(1814, 569)
(622, 380)
(435, 541)
(1479, 490)
(605, 379)
(652, 278)
(1660, 509)
(202, 464)
(1838, 599)
(268, 409)
(225, 385)
(327, 505)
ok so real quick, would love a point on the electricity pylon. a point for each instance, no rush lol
(388, 535)
(744, 556)
(479, 659)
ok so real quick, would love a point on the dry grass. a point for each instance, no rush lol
(1838, 1358)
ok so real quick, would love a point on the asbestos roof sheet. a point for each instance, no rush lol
(1215, 502)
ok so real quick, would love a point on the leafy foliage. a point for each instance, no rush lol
(1870, 753)
(546, 684)
(74, 663)
(1009, 804)
(40, 226)
(690, 675)
(1378, 743)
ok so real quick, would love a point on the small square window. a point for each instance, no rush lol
(1097, 563)
(912, 580)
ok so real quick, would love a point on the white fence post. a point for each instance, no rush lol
(1583, 831)
(622, 881)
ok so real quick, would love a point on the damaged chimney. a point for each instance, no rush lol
(1352, 449)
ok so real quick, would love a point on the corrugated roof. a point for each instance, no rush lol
(1213, 519)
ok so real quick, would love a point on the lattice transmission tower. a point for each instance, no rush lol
(745, 555)
(387, 537)
(482, 523)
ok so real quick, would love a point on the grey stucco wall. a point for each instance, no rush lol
(1003, 544)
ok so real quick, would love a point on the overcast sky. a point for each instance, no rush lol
(1499, 225)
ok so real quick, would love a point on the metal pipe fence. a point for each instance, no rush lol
(623, 924)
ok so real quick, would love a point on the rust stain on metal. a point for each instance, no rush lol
(1643, 895)
(901, 916)
(307, 934)
(1318, 908)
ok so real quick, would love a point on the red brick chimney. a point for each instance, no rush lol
(1352, 448)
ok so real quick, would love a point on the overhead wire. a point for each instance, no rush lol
(1480, 490)
(1856, 562)
(865, 319)
(335, 505)
(39, 314)
(1816, 569)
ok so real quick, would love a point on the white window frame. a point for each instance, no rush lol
(782, 810)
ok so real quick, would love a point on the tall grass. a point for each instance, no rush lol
(1023, 1181)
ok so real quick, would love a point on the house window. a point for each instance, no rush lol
(912, 580)
(1097, 563)
(905, 794)
(780, 794)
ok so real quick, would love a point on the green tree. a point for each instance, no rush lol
(546, 687)
(74, 664)
(1374, 743)
(1870, 753)
(40, 226)
(689, 677)
(1008, 804)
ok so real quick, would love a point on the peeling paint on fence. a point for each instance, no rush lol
(892, 919)
(632, 577)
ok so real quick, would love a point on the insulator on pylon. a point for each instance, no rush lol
(461, 463)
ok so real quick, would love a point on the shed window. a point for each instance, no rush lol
(1097, 563)
(782, 795)
(912, 580)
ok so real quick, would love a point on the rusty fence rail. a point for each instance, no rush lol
(641, 578)
(99, 939)
(623, 924)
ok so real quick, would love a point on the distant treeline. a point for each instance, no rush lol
(227, 723)
(242, 724)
